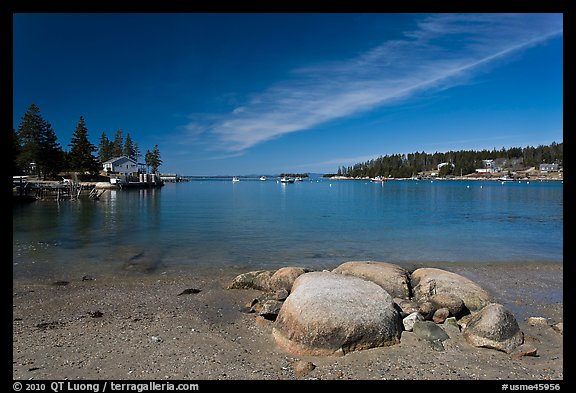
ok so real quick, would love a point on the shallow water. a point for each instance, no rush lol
(317, 223)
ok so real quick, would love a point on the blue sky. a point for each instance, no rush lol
(238, 94)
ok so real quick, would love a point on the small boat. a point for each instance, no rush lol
(287, 180)
(378, 179)
(505, 178)
(263, 178)
(235, 179)
(298, 179)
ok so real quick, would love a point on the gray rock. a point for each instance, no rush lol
(440, 315)
(284, 277)
(494, 327)
(524, 350)
(302, 368)
(409, 321)
(450, 326)
(270, 309)
(427, 282)
(266, 299)
(333, 314)
(144, 261)
(427, 310)
(559, 327)
(392, 278)
(258, 279)
(255, 305)
(537, 321)
(429, 331)
(281, 294)
(465, 319)
(407, 306)
(453, 303)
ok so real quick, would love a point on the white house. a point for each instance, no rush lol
(548, 167)
(488, 163)
(122, 166)
(443, 164)
(488, 166)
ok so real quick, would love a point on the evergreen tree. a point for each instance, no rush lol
(137, 153)
(40, 152)
(118, 144)
(152, 159)
(128, 150)
(16, 149)
(29, 135)
(80, 156)
(465, 161)
(51, 154)
(104, 149)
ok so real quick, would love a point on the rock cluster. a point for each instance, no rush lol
(361, 305)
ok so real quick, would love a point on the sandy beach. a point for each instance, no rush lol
(144, 327)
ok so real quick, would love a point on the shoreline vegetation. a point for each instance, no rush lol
(523, 162)
(475, 178)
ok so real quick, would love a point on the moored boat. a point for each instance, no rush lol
(378, 179)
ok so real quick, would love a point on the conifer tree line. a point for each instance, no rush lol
(463, 161)
(36, 150)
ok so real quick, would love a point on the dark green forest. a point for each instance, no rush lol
(463, 162)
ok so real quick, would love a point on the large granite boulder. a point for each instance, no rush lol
(285, 277)
(494, 327)
(427, 282)
(333, 314)
(392, 278)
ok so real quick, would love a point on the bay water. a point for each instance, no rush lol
(317, 223)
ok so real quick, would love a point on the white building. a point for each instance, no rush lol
(488, 163)
(443, 164)
(548, 167)
(123, 166)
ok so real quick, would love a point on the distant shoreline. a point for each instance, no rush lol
(539, 179)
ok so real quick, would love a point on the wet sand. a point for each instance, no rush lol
(140, 326)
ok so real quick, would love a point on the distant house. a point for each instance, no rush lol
(122, 166)
(488, 163)
(488, 166)
(549, 167)
(443, 164)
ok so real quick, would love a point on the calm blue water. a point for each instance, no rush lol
(264, 224)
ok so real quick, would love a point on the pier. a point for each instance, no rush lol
(25, 190)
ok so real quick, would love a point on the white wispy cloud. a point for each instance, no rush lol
(444, 51)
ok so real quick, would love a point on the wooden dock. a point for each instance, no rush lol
(24, 190)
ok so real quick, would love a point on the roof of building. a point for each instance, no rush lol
(122, 158)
